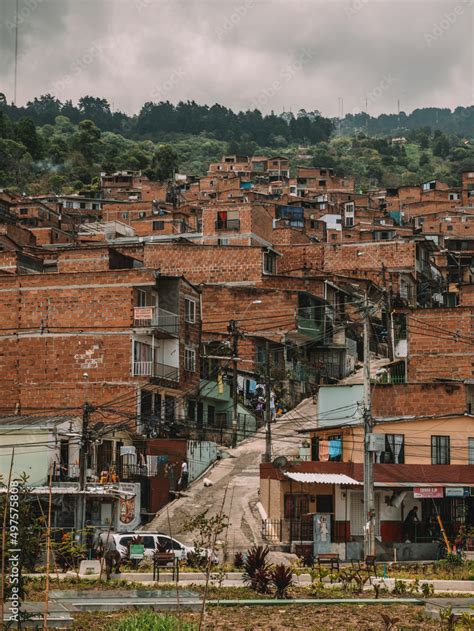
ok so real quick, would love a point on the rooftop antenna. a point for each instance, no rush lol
(16, 54)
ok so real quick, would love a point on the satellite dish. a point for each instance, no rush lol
(280, 462)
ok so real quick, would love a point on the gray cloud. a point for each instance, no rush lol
(233, 51)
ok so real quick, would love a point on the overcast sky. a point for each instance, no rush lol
(272, 54)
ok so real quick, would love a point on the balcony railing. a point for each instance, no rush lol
(230, 224)
(155, 369)
(155, 317)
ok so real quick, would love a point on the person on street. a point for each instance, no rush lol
(183, 481)
(409, 525)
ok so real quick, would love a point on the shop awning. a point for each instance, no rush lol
(322, 478)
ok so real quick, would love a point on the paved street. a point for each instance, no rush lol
(235, 485)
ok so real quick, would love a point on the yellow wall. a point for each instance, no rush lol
(417, 438)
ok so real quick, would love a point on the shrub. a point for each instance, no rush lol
(282, 578)
(399, 587)
(238, 560)
(257, 569)
(151, 621)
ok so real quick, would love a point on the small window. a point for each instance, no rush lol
(449, 227)
(23, 211)
(189, 359)
(470, 449)
(158, 225)
(222, 241)
(322, 182)
(269, 263)
(191, 410)
(82, 205)
(440, 450)
(142, 214)
(125, 215)
(189, 310)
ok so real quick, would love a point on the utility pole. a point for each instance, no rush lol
(389, 318)
(84, 452)
(268, 411)
(369, 503)
(233, 330)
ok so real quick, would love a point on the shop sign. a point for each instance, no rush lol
(456, 491)
(428, 492)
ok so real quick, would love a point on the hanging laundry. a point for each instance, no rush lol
(335, 448)
(323, 450)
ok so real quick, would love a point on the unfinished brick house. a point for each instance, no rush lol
(135, 335)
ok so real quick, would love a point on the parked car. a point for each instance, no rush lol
(151, 541)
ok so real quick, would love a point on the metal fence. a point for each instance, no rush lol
(288, 530)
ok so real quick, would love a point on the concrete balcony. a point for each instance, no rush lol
(155, 369)
(156, 318)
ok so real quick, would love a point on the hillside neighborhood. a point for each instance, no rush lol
(267, 328)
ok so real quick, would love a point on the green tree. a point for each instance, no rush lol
(164, 163)
(86, 140)
(25, 133)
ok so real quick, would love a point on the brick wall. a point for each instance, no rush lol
(418, 399)
(215, 264)
(434, 351)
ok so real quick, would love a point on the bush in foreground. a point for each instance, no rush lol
(151, 621)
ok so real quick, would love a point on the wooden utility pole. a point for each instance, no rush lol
(268, 411)
(234, 331)
(369, 502)
(48, 550)
(84, 452)
(4, 539)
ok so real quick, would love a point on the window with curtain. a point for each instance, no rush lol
(440, 450)
(394, 449)
(327, 448)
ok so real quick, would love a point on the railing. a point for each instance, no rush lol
(288, 530)
(156, 318)
(155, 369)
(230, 224)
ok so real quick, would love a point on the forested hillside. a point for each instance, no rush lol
(49, 146)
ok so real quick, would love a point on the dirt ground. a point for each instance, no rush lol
(274, 618)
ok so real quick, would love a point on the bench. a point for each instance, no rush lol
(330, 560)
(166, 561)
(368, 565)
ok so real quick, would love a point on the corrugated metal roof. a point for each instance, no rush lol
(322, 478)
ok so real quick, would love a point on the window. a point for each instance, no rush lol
(23, 211)
(192, 410)
(170, 409)
(394, 449)
(449, 227)
(189, 310)
(327, 449)
(190, 359)
(322, 182)
(470, 450)
(349, 222)
(296, 505)
(440, 452)
(269, 263)
(82, 205)
(211, 415)
(324, 504)
(142, 214)
(454, 196)
(158, 225)
(69, 205)
(222, 241)
(124, 215)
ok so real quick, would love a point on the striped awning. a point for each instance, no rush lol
(322, 478)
